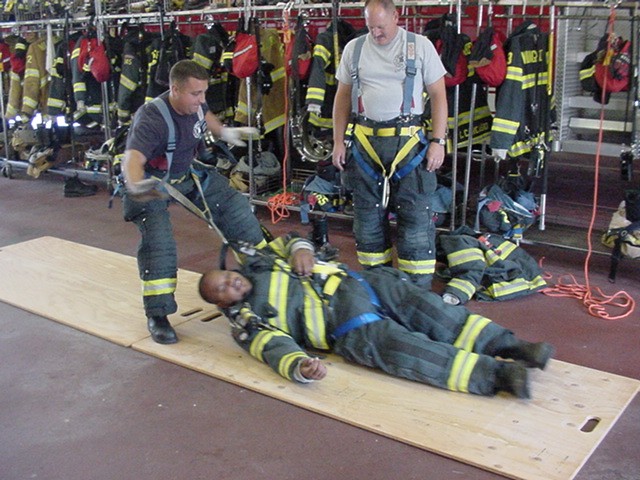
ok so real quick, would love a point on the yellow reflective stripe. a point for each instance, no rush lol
(537, 282)
(503, 289)
(314, 320)
(315, 93)
(202, 60)
(332, 284)
(514, 73)
(322, 52)
(127, 83)
(464, 286)
(587, 72)
(505, 126)
(262, 244)
(260, 340)
(472, 328)
(79, 87)
(161, 286)
(320, 122)
(29, 102)
(277, 74)
(75, 53)
(326, 269)
(274, 123)
(284, 366)
(506, 248)
(463, 365)
(373, 258)
(278, 290)
(54, 102)
(463, 256)
(279, 247)
(32, 72)
(422, 267)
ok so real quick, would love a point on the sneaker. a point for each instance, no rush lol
(73, 187)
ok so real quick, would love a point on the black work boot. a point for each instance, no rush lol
(512, 377)
(533, 355)
(73, 187)
(161, 330)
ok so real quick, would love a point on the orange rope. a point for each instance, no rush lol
(278, 204)
(593, 298)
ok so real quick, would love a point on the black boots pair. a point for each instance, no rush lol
(512, 377)
(161, 330)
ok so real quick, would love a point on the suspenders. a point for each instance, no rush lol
(162, 107)
(410, 69)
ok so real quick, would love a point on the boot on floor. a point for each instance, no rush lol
(161, 330)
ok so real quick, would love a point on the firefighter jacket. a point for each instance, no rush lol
(269, 105)
(16, 77)
(36, 79)
(164, 53)
(523, 101)
(292, 307)
(207, 51)
(489, 267)
(136, 56)
(61, 89)
(322, 84)
(87, 91)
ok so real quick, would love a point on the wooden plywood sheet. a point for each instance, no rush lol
(549, 436)
(534, 439)
(87, 288)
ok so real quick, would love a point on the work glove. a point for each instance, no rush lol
(145, 190)
(313, 108)
(81, 108)
(500, 153)
(233, 135)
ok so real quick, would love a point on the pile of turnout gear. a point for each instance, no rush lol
(485, 266)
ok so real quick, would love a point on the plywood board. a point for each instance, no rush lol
(93, 290)
(545, 437)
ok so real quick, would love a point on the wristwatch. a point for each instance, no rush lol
(439, 141)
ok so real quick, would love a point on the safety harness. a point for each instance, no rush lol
(361, 132)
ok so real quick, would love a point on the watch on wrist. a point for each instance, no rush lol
(439, 141)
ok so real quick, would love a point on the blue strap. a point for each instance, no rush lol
(415, 161)
(363, 318)
(354, 323)
(405, 170)
(410, 73)
(171, 141)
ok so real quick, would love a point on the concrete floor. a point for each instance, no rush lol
(74, 407)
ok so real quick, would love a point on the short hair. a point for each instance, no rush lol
(385, 4)
(186, 69)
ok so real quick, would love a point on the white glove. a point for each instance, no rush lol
(145, 190)
(500, 153)
(81, 108)
(313, 108)
(233, 135)
(451, 299)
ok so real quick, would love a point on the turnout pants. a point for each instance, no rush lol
(409, 199)
(157, 253)
(419, 336)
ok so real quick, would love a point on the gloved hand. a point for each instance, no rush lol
(233, 135)
(81, 108)
(313, 108)
(145, 190)
(500, 153)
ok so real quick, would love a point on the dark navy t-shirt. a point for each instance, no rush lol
(149, 135)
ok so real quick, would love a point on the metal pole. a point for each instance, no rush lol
(454, 153)
(4, 120)
(472, 109)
